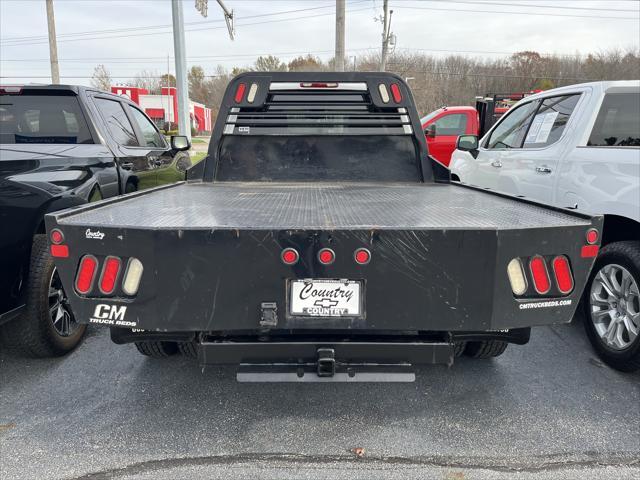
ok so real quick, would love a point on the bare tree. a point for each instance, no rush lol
(101, 78)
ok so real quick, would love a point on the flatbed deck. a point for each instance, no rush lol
(311, 206)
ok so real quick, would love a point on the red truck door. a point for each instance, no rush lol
(450, 123)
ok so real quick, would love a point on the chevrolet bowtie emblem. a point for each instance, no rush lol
(325, 302)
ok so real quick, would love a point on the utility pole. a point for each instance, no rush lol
(339, 55)
(386, 35)
(184, 124)
(53, 47)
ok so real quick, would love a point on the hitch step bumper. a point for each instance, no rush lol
(317, 362)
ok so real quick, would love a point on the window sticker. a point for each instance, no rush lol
(545, 127)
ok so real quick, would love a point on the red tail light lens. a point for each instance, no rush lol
(362, 256)
(395, 93)
(59, 251)
(240, 92)
(56, 236)
(318, 85)
(326, 256)
(86, 274)
(592, 236)
(589, 251)
(110, 272)
(289, 256)
(540, 275)
(562, 272)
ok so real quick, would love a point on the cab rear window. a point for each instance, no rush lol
(42, 119)
(618, 122)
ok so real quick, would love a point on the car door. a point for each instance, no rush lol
(498, 146)
(448, 127)
(531, 171)
(136, 161)
(170, 165)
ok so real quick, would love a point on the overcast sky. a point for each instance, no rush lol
(142, 38)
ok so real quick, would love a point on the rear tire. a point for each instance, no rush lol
(47, 327)
(188, 349)
(157, 349)
(620, 349)
(486, 349)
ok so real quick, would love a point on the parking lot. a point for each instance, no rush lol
(107, 412)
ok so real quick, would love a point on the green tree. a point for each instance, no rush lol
(197, 84)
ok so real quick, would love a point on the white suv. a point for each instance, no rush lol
(577, 147)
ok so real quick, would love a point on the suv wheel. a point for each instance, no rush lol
(612, 306)
(47, 328)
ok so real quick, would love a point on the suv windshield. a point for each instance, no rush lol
(42, 119)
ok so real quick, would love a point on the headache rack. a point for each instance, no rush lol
(316, 108)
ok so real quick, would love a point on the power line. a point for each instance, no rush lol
(496, 12)
(152, 27)
(537, 6)
(190, 30)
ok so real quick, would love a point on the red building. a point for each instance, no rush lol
(163, 108)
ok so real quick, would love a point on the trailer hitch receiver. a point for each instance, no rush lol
(326, 362)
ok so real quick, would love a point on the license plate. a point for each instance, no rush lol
(325, 298)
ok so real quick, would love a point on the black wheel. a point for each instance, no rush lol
(611, 304)
(157, 349)
(486, 349)
(47, 328)
(188, 349)
(458, 348)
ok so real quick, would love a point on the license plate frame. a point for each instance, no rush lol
(296, 306)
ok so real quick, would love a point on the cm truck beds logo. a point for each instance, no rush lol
(111, 315)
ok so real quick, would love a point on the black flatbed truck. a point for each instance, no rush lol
(319, 241)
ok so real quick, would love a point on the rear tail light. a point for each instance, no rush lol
(59, 251)
(240, 92)
(540, 275)
(362, 256)
(86, 274)
(326, 256)
(517, 279)
(289, 256)
(132, 277)
(592, 236)
(56, 236)
(251, 96)
(384, 94)
(395, 92)
(109, 276)
(562, 272)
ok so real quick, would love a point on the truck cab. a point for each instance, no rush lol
(442, 128)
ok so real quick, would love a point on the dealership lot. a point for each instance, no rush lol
(106, 412)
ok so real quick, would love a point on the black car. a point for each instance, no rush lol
(63, 146)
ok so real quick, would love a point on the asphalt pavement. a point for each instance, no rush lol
(549, 409)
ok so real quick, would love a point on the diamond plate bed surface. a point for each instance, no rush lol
(262, 206)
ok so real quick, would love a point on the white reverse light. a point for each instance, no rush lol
(516, 277)
(132, 276)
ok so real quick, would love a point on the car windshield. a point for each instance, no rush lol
(42, 119)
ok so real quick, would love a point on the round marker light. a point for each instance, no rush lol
(362, 256)
(326, 256)
(289, 256)
(56, 236)
(592, 236)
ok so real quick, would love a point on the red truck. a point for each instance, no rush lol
(443, 126)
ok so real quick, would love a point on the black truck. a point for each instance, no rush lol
(319, 241)
(63, 146)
